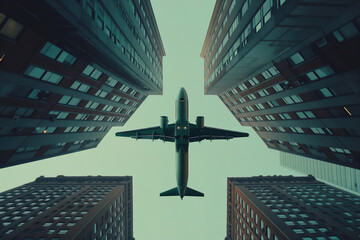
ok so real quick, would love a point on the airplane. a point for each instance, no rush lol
(182, 133)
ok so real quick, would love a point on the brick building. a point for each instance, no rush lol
(68, 208)
(70, 70)
(290, 70)
(287, 207)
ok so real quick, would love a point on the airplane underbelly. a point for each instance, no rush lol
(182, 167)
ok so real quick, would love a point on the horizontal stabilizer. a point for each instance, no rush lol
(172, 192)
(193, 193)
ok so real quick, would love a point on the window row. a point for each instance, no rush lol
(260, 18)
(112, 30)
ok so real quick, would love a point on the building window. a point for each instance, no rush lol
(266, 74)
(60, 144)
(234, 91)
(63, 231)
(297, 58)
(272, 103)
(268, 232)
(259, 106)
(124, 88)
(326, 92)
(89, 129)
(115, 98)
(270, 117)
(45, 129)
(78, 142)
(92, 72)
(251, 96)
(277, 88)
(242, 87)
(298, 231)
(82, 87)
(98, 118)
(340, 150)
(292, 99)
(296, 129)
(280, 129)
(249, 108)
(71, 129)
(346, 32)
(313, 222)
(11, 28)
(253, 81)
(81, 116)
(52, 77)
(310, 230)
(284, 116)
(305, 114)
(54, 52)
(34, 94)
(92, 105)
(101, 93)
(302, 223)
(73, 101)
(317, 130)
(40, 73)
(272, 71)
(320, 73)
(107, 108)
(111, 82)
(59, 115)
(263, 93)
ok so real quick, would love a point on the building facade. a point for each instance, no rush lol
(70, 70)
(287, 207)
(335, 174)
(290, 70)
(68, 208)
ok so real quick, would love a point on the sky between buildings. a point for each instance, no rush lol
(183, 26)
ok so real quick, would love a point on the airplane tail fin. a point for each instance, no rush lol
(193, 193)
(172, 192)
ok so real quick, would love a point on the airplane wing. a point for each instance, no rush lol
(208, 133)
(153, 133)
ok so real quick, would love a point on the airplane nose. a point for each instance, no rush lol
(182, 93)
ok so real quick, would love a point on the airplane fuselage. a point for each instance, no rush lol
(182, 141)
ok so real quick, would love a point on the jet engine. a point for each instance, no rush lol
(164, 122)
(200, 122)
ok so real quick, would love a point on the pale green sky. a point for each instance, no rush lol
(183, 25)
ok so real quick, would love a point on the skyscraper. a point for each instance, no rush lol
(68, 208)
(289, 69)
(287, 207)
(339, 175)
(70, 70)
